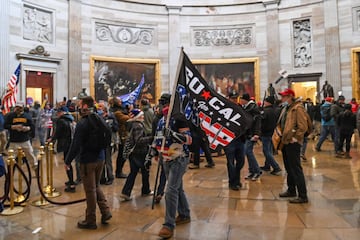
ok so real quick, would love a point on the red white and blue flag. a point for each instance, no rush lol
(9, 99)
(220, 119)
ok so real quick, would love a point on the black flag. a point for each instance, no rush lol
(220, 119)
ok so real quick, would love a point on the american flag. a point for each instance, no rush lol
(9, 98)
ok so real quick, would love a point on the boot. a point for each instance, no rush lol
(347, 155)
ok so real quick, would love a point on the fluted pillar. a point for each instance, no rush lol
(174, 42)
(75, 48)
(332, 45)
(5, 71)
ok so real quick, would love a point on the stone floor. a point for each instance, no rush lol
(254, 212)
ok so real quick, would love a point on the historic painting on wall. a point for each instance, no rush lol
(114, 77)
(231, 75)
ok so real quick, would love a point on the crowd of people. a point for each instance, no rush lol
(142, 133)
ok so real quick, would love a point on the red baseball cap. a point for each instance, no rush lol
(287, 92)
(329, 99)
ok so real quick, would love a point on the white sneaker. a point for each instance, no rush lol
(125, 197)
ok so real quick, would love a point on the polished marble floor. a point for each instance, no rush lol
(254, 212)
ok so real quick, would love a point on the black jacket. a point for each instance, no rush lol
(78, 144)
(269, 120)
(346, 122)
(23, 119)
(255, 129)
(63, 132)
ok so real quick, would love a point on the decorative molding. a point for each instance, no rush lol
(124, 34)
(38, 58)
(356, 19)
(302, 43)
(38, 24)
(223, 36)
(39, 50)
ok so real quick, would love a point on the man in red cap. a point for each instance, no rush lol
(293, 124)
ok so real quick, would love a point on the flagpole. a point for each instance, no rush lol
(172, 99)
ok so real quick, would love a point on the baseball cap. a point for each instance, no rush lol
(19, 104)
(246, 97)
(287, 92)
(329, 99)
(233, 94)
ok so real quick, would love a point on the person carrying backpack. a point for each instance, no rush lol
(327, 123)
(136, 148)
(91, 137)
(63, 135)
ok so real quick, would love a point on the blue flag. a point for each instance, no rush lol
(130, 98)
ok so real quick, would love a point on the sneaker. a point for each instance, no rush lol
(85, 225)
(125, 197)
(121, 175)
(317, 149)
(165, 232)
(256, 176)
(250, 176)
(182, 220)
(210, 165)
(193, 166)
(70, 189)
(147, 194)
(158, 198)
(276, 172)
(266, 169)
(106, 217)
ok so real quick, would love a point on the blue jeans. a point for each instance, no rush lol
(175, 197)
(235, 156)
(249, 151)
(325, 131)
(162, 180)
(268, 153)
(304, 146)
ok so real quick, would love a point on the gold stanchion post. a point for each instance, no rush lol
(41, 201)
(12, 210)
(50, 191)
(20, 197)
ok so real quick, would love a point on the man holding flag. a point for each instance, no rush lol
(192, 102)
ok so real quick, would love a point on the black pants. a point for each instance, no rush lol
(120, 161)
(295, 175)
(197, 143)
(347, 138)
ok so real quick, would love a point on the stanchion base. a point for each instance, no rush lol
(40, 202)
(48, 189)
(53, 194)
(9, 211)
(19, 198)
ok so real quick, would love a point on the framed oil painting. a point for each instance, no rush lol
(238, 75)
(114, 77)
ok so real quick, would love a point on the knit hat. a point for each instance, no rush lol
(136, 113)
(270, 99)
(246, 97)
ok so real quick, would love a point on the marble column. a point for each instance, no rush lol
(75, 49)
(332, 45)
(273, 43)
(174, 43)
(5, 71)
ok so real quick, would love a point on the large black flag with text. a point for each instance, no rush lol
(220, 119)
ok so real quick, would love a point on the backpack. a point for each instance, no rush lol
(310, 125)
(99, 137)
(325, 113)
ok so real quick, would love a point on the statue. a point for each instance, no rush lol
(271, 91)
(327, 90)
(82, 94)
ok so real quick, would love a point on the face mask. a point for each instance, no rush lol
(100, 112)
(285, 104)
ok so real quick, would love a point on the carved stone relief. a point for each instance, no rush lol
(223, 37)
(124, 34)
(302, 43)
(37, 24)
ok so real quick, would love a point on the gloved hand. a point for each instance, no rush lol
(177, 137)
(147, 163)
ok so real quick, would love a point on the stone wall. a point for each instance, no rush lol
(301, 36)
